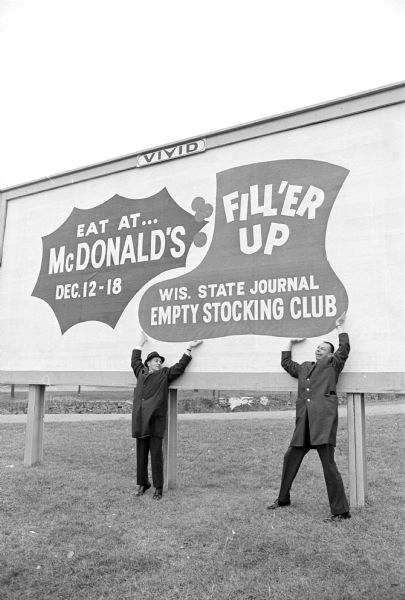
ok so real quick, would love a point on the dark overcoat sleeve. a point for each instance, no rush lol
(178, 368)
(342, 353)
(136, 361)
(289, 365)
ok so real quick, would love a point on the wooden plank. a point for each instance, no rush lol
(311, 115)
(363, 425)
(356, 424)
(35, 425)
(318, 113)
(170, 445)
(361, 467)
(352, 450)
(3, 215)
(384, 382)
(172, 440)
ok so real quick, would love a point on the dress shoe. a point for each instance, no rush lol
(278, 504)
(142, 489)
(335, 518)
(158, 494)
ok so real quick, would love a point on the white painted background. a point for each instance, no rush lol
(364, 246)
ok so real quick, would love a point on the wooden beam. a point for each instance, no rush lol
(35, 425)
(3, 216)
(361, 463)
(170, 443)
(382, 382)
(326, 111)
(357, 449)
(352, 450)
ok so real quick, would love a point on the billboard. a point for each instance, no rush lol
(243, 238)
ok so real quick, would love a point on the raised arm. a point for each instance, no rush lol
(339, 323)
(292, 367)
(136, 358)
(342, 353)
(179, 368)
(192, 345)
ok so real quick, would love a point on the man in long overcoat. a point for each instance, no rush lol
(316, 420)
(150, 410)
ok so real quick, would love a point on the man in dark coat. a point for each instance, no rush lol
(150, 410)
(316, 420)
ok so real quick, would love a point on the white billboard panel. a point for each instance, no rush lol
(243, 245)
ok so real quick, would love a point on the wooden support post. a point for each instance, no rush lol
(356, 424)
(12, 390)
(170, 443)
(35, 425)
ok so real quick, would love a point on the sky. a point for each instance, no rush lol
(83, 81)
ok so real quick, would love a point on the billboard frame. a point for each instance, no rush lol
(360, 382)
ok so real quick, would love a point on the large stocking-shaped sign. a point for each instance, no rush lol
(266, 271)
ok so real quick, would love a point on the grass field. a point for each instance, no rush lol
(72, 528)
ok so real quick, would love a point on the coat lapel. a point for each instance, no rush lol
(311, 370)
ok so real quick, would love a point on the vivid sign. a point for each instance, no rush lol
(265, 272)
(169, 153)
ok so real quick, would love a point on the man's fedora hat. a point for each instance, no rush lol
(153, 355)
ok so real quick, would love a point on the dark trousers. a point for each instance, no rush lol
(334, 484)
(154, 445)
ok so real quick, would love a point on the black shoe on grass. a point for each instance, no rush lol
(278, 504)
(337, 518)
(142, 489)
